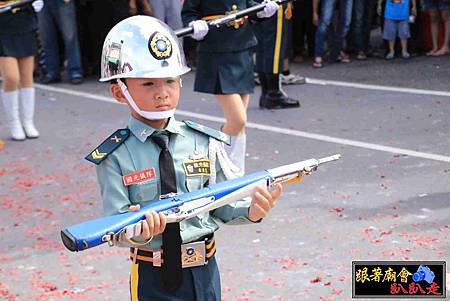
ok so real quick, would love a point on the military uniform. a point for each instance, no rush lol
(272, 49)
(18, 32)
(224, 60)
(272, 41)
(130, 155)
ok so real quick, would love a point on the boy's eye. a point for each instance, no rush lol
(170, 81)
(148, 84)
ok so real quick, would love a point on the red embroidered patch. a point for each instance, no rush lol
(139, 176)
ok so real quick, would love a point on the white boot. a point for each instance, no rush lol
(236, 151)
(27, 98)
(11, 106)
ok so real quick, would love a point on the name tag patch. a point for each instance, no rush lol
(197, 167)
(139, 176)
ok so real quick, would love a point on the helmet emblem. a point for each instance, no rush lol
(160, 46)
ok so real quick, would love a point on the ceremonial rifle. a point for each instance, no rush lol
(12, 5)
(187, 205)
(229, 18)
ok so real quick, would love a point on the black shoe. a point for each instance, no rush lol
(272, 97)
(280, 102)
(76, 80)
(50, 80)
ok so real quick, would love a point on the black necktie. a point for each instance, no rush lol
(171, 244)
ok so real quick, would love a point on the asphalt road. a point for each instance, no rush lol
(388, 198)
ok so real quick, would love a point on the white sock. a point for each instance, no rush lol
(27, 98)
(11, 106)
(237, 151)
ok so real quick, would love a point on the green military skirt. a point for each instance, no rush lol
(225, 72)
(18, 45)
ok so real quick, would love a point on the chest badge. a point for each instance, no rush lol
(197, 167)
(139, 177)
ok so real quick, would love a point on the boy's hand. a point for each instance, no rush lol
(153, 224)
(414, 11)
(263, 201)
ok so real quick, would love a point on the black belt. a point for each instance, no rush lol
(193, 254)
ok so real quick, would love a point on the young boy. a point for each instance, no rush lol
(396, 17)
(156, 155)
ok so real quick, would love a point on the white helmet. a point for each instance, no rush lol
(142, 46)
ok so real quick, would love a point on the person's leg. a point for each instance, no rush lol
(245, 101)
(369, 10)
(404, 44)
(357, 24)
(390, 34)
(345, 17)
(27, 95)
(288, 78)
(298, 32)
(173, 14)
(445, 14)
(26, 65)
(240, 143)
(326, 14)
(434, 26)
(234, 107)
(67, 23)
(235, 113)
(158, 9)
(49, 36)
(9, 69)
(310, 28)
(119, 10)
(404, 35)
(391, 49)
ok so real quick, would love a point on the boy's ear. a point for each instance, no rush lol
(116, 92)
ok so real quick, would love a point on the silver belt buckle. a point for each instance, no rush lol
(193, 254)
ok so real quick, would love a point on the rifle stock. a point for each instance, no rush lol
(187, 205)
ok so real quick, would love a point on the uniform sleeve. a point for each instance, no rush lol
(191, 11)
(235, 213)
(114, 194)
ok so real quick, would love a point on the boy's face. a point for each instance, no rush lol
(150, 94)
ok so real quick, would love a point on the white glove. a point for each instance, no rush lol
(38, 5)
(270, 9)
(200, 29)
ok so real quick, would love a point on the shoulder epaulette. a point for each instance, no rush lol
(218, 135)
(108, 146)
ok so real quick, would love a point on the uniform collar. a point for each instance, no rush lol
(142, 131)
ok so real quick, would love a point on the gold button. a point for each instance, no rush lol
(234, 7)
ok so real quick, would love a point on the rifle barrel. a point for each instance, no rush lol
(228, 18)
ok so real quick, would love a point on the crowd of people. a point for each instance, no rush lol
(69, 37)
(326, 30)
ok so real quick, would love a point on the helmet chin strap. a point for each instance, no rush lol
(145, 114)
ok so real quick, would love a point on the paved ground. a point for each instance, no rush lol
(374, 204)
